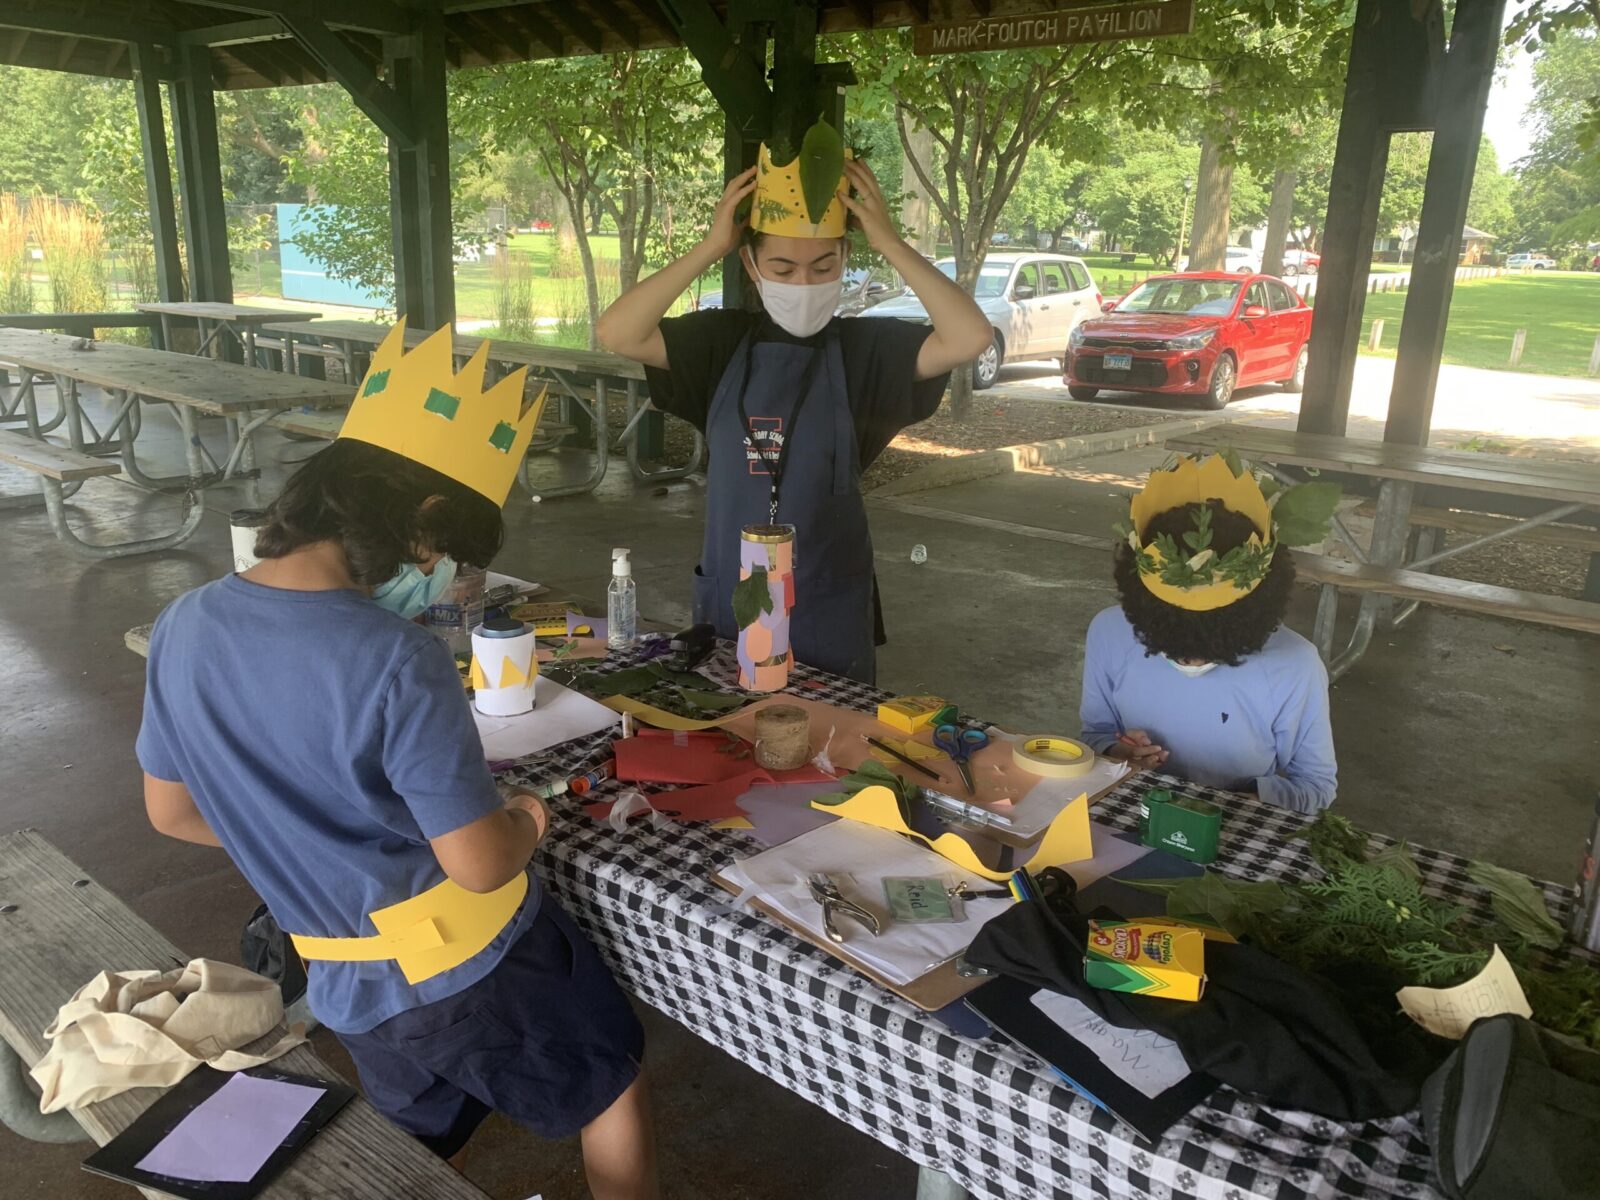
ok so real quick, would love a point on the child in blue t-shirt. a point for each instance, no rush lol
(296, 716)
(1229, 697)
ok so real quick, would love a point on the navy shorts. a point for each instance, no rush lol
(547, 1038)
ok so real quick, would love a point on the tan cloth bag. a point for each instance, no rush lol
(128, 1029)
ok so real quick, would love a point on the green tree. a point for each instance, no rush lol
(341, 163)
(1557, 198)
(46, 112)
(1049, 194)
(1403, 183)
(1136, 196)
(986, 112)
(1489, 207)
(608, 129)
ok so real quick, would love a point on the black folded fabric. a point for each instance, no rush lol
(1261, 1026)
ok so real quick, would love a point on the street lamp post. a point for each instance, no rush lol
(1183, 224)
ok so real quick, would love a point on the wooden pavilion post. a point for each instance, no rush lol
(157, 172)
(419, 178)
(205, 220)
(1463, 94)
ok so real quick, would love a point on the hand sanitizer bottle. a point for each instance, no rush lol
(622, 604)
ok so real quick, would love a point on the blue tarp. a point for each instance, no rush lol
(305, 279)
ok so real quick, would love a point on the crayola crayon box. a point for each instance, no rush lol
(1151, 957)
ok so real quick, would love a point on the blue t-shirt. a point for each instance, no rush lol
(1263, 721)
(324, 740)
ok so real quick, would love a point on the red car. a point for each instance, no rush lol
(1203, 333)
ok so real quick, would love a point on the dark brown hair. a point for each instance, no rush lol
(374, 503)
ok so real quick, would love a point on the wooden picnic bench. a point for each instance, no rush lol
(58, 929)
(60, 468)
(245, 397)
(583, 378)
(239, 321)
(1390, 567)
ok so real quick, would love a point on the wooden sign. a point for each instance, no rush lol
(1160, 18)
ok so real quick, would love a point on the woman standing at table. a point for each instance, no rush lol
(794, 402)
(1194, 671)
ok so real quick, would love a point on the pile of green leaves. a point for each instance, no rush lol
(683, 693)
(872, 773)
(1370, 909)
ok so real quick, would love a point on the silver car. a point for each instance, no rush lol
(1033, 301)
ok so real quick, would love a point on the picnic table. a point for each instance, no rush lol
(1418, 487)
(134, 375)
(584, 378)
(59, 928)
(980, 1110)
(239, 321)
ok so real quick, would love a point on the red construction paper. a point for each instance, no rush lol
(717, 800)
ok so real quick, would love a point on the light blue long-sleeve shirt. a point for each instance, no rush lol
(1265, 720)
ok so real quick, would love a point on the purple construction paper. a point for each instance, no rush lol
(576, 620)
(779, 812)
(232, 1133)
(755, 554)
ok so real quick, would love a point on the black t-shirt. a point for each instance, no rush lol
(880, 370)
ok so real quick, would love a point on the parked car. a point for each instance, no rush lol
(1238, 259)
(862, 290)
(1203, 333)
(1033, 302)
(1537, 262)
(1300, 262)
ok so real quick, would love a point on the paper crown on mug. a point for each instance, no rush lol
(801, 198)
(417, 405)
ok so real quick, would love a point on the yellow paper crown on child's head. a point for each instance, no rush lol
(780, 202)
(1192, 575)
(416, 405)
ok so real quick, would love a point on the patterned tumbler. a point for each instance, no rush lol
(764, 652)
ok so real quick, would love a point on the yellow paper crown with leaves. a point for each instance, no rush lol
(1191, 574)
(415, 404)
(780, 204)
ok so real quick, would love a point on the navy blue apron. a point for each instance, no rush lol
(832, 626)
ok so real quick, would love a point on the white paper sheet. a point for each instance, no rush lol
(858, 857)
(1141, 1059)
(560, 714)
(1112, 852)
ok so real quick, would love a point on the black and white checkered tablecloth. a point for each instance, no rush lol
(982, 1110)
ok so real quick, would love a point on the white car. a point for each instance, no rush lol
(1240, 260)
(1033, 301)
(1537, 262)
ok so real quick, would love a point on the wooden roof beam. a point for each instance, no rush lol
(651, 12)
(69, 47)
(617, 21)
(370, 16)
(374, 97)
(234, 33)
(256, 58)
(472, 34)
(539, 30)
(71, 21)
(584, 30)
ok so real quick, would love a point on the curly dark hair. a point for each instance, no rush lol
(374, 503)
(1223, 635)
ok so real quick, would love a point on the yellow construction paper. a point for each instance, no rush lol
(734, 823)
(661, 719)
(476, 677)
(780, 206)
(511, 675)
(427, 934)
(416, 405)
(1067, 839)
(1448, 1012)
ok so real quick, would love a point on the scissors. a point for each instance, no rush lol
(960, 744)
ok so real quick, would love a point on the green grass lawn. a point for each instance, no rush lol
(1559, 309)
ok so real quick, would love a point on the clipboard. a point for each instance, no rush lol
(940, 987)
(127, 1157)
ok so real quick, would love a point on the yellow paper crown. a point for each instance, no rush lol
(416, 405)
(1192, 482)
(780, 203)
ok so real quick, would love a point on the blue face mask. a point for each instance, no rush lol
(409, 593)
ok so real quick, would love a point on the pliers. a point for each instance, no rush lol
(826, 893)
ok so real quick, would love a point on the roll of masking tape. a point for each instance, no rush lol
(1053, 757)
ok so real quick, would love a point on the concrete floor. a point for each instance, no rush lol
(1462, 732)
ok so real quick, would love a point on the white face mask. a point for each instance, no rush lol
(1192, 670)
(801, 309)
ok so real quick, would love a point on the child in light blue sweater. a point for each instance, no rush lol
(1228, 697)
